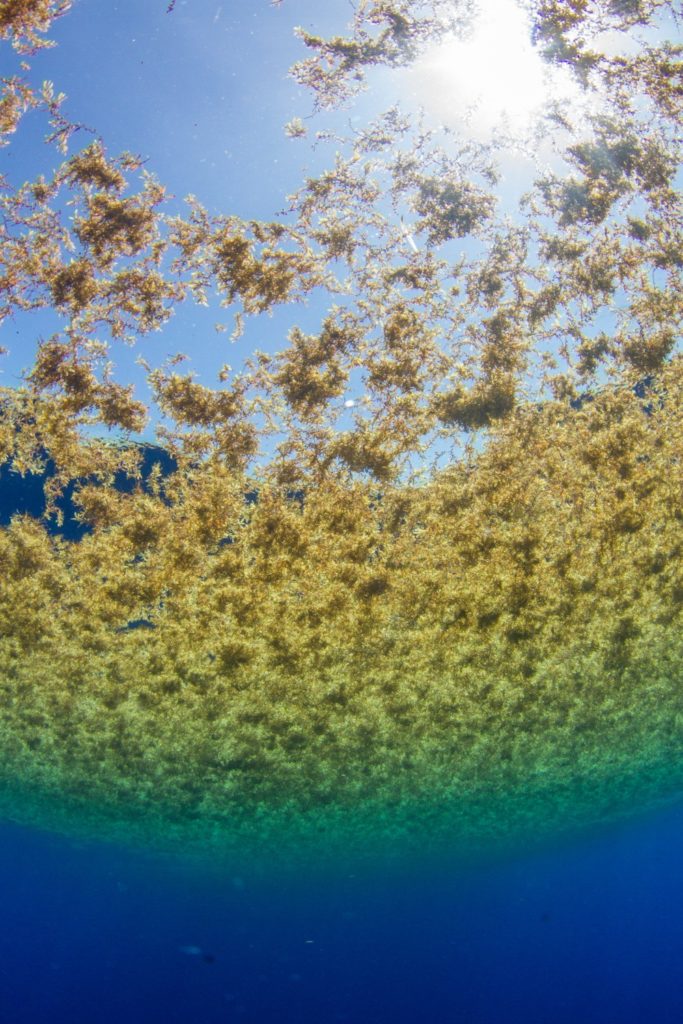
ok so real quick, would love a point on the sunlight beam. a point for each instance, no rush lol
(494, 78)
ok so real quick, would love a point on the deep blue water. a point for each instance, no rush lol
(589, 932)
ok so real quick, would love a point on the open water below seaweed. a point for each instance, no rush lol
(590, 931)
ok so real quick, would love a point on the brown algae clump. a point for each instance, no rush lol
(492, 655)
(410, 579)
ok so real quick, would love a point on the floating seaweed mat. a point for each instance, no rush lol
(488, 658)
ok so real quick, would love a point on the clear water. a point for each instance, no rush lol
(586, 931)
(329, 749)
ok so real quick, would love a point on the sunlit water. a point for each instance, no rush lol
(453, 800)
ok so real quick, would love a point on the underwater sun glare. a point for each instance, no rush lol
(495, 77)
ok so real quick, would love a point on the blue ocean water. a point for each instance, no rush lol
(591, 931)
(588, 930)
